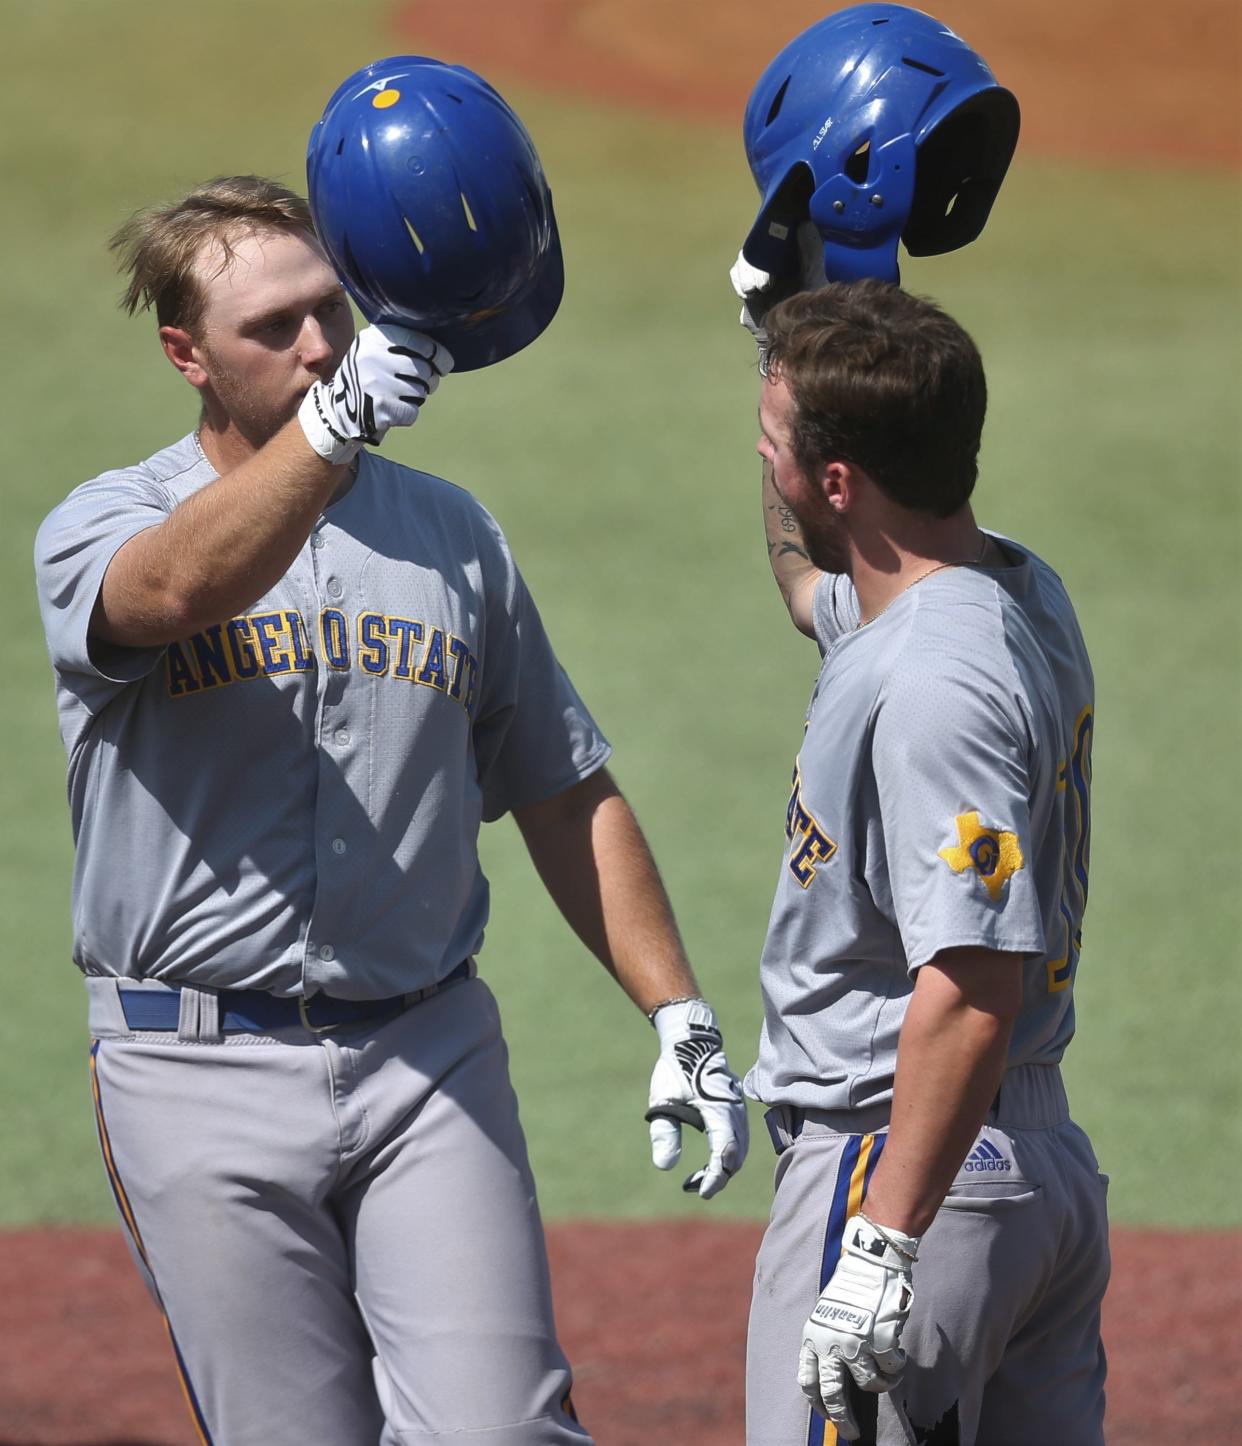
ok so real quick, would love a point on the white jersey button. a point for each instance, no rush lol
(342, 736)
(338, 845)
(327, 952)
(316, 540)
(335, 590)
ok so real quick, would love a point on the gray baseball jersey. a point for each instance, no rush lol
(338, 1220)
(939, 800)
(291, 800)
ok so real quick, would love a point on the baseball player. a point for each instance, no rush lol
(937, 1251)
(293, 679)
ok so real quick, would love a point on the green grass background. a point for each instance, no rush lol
(618, 455)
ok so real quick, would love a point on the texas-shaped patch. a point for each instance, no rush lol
(994, 854)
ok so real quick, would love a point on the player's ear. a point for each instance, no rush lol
(181, 349)
(837, 485)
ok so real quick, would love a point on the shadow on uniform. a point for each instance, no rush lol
(265, 726)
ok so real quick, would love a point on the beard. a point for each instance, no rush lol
(254, 418)
(822, 535)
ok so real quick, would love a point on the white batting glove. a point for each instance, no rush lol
(751, 285)
(758, 291)
(692, 1084)
(854, 1332)
(383, 379)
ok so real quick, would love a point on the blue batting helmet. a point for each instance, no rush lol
(430, 201)
(880, 124)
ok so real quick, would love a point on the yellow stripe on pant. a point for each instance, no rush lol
(131, 1225)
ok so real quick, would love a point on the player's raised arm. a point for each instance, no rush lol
(226, 544)
(796, 575)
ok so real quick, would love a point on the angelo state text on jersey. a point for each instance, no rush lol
(264, 645)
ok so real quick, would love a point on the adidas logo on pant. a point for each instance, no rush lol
(986, 1157)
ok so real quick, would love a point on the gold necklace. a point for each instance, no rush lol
(923, 576)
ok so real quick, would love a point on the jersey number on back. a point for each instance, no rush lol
(1075, 778)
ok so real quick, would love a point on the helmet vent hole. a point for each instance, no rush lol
(856, 166)
(340, 145)
(465, 206)
(778, 100)
(879, 22)
(414, 236)
(918, 65)
(457, 98)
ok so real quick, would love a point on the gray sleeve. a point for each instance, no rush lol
(533, 735)
(950, 761)
(834, 609)
(73, 550)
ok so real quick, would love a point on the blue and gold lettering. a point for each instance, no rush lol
(334, 633)
(811, 845)
(459, 652)
(1077, 774)
(272, 643)
(209, 654)
(241, 650)
(1080, 780)
(816, 848)
(985, 853)
(794, 787)
(181, 679)
(406, 634)
(432, 672)
(372, 644)
(269, 629)
(303, 660)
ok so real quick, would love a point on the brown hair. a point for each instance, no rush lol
(159, 246)
(884, 380)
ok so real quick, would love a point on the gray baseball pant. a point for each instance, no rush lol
(1004, 1333)
(340, 1230)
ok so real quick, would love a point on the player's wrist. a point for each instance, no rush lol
(673, 1002)
(322, 427)
(675, 1019)
(904, 1245)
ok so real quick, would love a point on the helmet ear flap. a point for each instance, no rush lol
(961, 165)
(861, 208)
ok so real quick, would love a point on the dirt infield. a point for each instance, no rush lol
(653, 1315)
(1099, 79)
(653, 1318)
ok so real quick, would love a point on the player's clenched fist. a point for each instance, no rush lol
(692, 1084)
(759, 292)
(382, 381)
(855, 1328)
